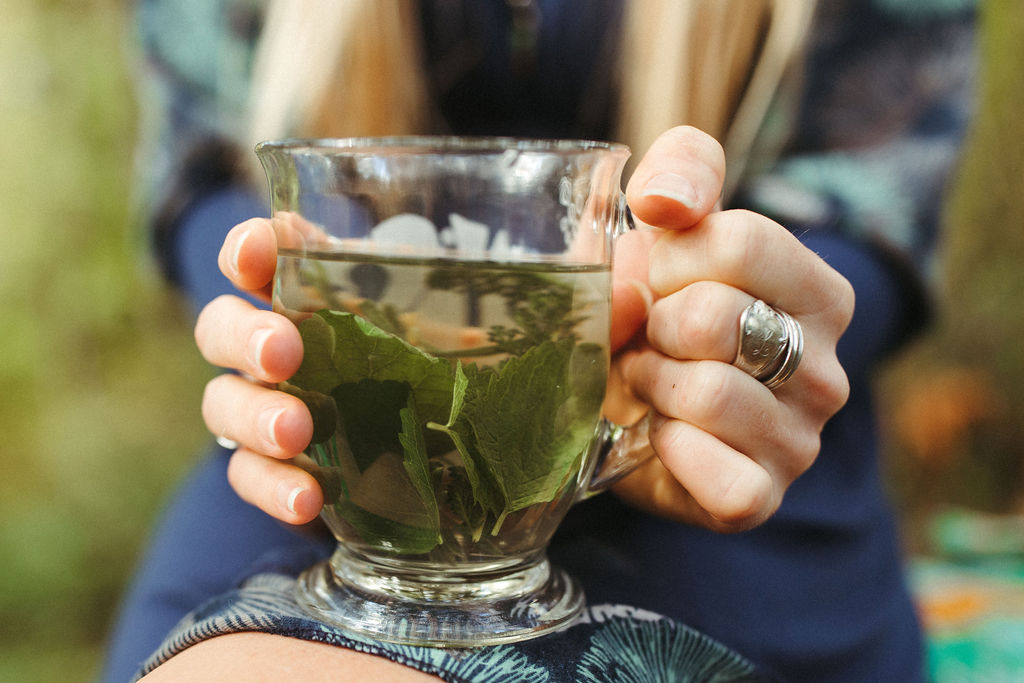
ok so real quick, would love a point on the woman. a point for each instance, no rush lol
(816, 591)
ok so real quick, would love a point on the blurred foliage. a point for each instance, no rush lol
(102, 383)
(955, 401)
(101, 379)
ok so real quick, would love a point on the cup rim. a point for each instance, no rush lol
(433, 144)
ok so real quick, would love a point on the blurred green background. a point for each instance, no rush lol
(101, 382)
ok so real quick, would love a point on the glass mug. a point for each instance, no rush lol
(453, 296)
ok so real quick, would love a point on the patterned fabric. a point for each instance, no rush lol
(193, 84)
(607, 643)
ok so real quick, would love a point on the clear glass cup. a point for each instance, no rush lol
(453, 295)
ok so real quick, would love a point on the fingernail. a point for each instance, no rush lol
(270, 426)
(256, 343)
(644, 291)
(292, 497)
(289, 497)
(237, 251)
(672, 186)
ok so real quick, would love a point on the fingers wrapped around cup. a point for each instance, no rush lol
(265, 428)
(739, 365)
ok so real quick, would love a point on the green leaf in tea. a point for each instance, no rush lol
(515, 418)
(486, 492)
(385, 441)
(395, 427)
(317, 371)
(416, 462)
(387, 534)
(321, 407)
(370, 414)
(363, 351)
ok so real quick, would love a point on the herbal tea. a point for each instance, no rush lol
(452, 401)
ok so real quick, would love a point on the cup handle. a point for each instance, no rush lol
(620, 449)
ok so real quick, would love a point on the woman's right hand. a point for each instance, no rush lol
(271, 427)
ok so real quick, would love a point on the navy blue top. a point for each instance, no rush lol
(817, 592)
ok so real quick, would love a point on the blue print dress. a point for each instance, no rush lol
(606, 643)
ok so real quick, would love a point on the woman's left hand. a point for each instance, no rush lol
(728, 447)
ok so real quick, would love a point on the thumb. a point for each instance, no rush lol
(679, 179)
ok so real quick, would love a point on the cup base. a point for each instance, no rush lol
(439, 609)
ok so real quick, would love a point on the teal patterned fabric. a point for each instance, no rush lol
(885, 104)
(607, 643)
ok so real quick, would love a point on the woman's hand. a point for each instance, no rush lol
(728, 447)
(270, 426)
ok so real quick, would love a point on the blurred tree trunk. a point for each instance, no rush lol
(984, 259)
(973, 441)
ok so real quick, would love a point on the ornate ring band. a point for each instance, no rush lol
(771, 344)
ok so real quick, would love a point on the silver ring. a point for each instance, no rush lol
(225, 442)
(771, 344)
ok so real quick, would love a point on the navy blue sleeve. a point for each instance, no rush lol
(198, 239)
(205, 543)
(877, 327)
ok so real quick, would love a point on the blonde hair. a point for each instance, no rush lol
(325, 68)
(333, 69)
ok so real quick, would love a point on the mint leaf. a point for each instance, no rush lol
(386, 533)
(587, 376)
(385, 317)
(363, 351)
(522, 427)
(341, 347)
(368, 388)
(416, 463)
(388, 415)
(463, 503)
(317, 371)
(321, 407)
(330, 470)
(370, 414)
(385, 441)
(486, 492)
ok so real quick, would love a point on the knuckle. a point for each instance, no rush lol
(839, 301)
(840, 388)
(828, 386)
(746, 501)
(706, 322)
(664, 255)
(704, 393)
(735, 246)
(804, 451)
(688, 323)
